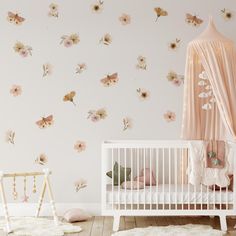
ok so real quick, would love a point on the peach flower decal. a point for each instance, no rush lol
(143, 94)
(97, 7)
(41, 159)
(106, 39)
(96, 115)
(127, 123)
(80, 68)
(10, 137)
(70, 40)
(169, 116)
(142, 63)
(174, 78)
(16, 90)
(174, 45)
(22, 50)
(227, 14)
(53, 10)
(47, 69)
(79, 184)
(125, 19)
(80, 146)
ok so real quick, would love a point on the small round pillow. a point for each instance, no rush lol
(76, 215)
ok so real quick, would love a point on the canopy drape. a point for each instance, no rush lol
(209, 109)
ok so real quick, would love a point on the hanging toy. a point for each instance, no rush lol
(14, 193)
(34, 185)
(25, 197)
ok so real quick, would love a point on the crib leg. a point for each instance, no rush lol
(116, 223)
(223, 223)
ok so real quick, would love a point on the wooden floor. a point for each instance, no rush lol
(102, 226)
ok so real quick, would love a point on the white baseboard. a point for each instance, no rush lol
(29, 209)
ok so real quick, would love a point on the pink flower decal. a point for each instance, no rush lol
(16, 90)
(80, 146)
(169, 116)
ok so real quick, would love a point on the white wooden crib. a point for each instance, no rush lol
(171, 195)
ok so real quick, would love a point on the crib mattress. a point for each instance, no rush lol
(169, 194)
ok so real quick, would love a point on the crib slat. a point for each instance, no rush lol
(169, 154)
(118, 178)
(125, 153)
(144, 166)
(132, 177)
(112, 179)
(138, 152)
(157, 177)
(176, 156)
(150, 164)
(182, 178)
(163, 178)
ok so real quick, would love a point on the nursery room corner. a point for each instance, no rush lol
(118, 118)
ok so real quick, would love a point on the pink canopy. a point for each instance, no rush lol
(209, 111)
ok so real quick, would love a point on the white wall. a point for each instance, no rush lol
(44, 96)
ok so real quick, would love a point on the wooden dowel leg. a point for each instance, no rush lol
(52, 203)
(4, 202)
(41, 196)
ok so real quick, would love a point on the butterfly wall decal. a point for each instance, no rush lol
(110, 80)
(15, 18)
(69, 97)
(193, 20)
(45, 122)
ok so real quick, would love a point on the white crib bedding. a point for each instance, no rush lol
(169, 194)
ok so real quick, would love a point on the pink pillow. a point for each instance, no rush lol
(147, 177)
(75, 215)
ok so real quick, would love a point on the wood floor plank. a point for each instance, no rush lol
(130, 222)
(97, 228)
(107, 228)
(86, 227)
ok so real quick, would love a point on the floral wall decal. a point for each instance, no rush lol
(143, 94)
(160, 12)
(15, 18)
(45, 122)
(106, 39)
(125, 19)
(96, 115)
(53, 10)
(69, 97)
(70, 40)
(170, 116)
(127, 123)
(47, 69)
(79, 184)
(133, 57)
(142, 63)
(23, 50)
(110, 80)
(174, 78)
(80, 68)
(97, 7)
(16, 90)
(41, 159)
(10, 137)
(193, 20)
(80, 146)
(227, 14)
(174, 45)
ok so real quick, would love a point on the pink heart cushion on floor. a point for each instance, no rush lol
(148, 181)
(75, 215)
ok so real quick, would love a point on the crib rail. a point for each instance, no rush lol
(162, 167)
